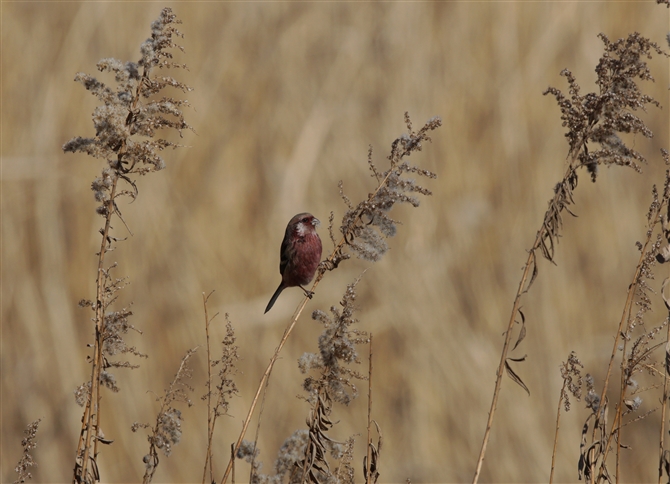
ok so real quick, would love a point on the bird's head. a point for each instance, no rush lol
(304, 223)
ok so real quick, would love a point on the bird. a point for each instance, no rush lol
(300, 254)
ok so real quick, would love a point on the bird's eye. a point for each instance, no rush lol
(305, 220)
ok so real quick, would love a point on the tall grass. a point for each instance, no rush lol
(595, 122)
(288, 98)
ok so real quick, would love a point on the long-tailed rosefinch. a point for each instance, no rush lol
(300, 254)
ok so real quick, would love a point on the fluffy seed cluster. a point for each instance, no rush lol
(249, 452)
(597, 117)
(82, 393)
(337, 349)
(291, 452)
(129, 115)
(592, 399)
(167, 432)
(366, 225)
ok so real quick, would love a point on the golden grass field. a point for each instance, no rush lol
(287, 98)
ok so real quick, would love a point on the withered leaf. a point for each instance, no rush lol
(665, 299)
(513, 375)
(533, 260)
(663, 255)
(104, 440)
(522, 332)
(374, 458)
(587, 461)
(547, 252)
(374, 473)
(585, 430)
(665, 463)
(379, 441)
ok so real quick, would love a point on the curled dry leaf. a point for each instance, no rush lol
(665, 299)
(665, 462)
(522, 332)
(517, 379)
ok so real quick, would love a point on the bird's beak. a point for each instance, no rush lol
(316, 222)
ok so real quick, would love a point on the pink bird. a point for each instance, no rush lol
(300, 254)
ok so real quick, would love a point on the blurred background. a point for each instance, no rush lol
(288, 97)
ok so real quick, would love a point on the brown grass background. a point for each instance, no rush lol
(287, 98)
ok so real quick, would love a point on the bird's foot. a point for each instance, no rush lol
(309, 294)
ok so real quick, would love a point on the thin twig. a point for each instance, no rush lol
(501, 365)
(232, 459)
(558, 425)
(543, 233)
(618, 419)
(503, 355)
(625, 317)
(264, 379)
(258, 430)
(210, 423)
(665, 395)
(368, 467)
(171, 394)
(641, 417)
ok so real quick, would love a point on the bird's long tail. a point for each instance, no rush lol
(274, 297)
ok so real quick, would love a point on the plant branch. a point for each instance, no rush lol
(558, 425)
(625, 318)
(91, 417)
(664, 405)
(544, 235)
(210, 422)
(368, 467)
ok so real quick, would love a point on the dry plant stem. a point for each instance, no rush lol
(84, 420)
(264, 380)
(369, 466)
(288, 331)
(119, 123)
(558, 425)
(232, 459)
(618, 422)
(165, 401)
(258, 430)
(210, 423)
(91, 419)
(503, 357)
(663, 409)
(625, 316)
(530, 263)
